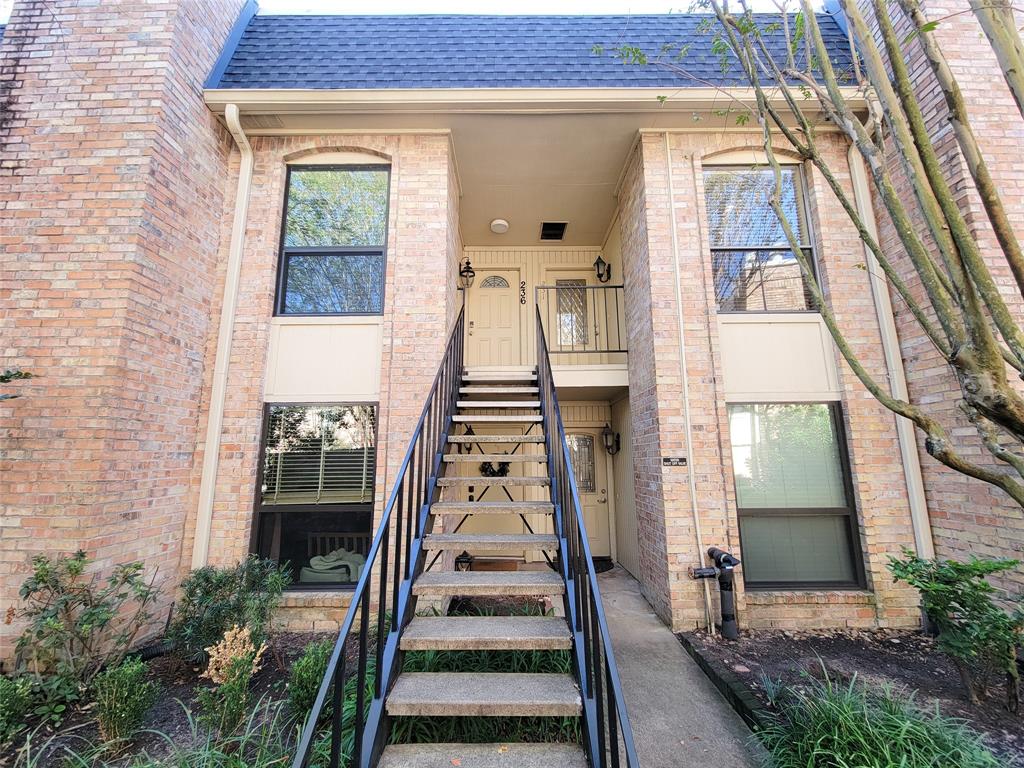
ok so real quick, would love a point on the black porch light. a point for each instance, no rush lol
(612, 441)
(466, 274)
(603, 270)
(464, 562)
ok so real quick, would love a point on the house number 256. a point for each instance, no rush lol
(522, 291)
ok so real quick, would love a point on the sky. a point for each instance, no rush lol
(468, 6)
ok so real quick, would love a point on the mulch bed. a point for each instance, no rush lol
(907, 661)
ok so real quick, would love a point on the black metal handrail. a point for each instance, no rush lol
(389, 568)
(583, 319)
(609, 737)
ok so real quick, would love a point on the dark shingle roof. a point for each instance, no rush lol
(479, 52)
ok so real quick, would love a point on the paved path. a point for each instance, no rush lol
(679, 718)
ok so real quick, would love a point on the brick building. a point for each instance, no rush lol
(232, 253)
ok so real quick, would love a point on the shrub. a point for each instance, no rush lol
(237, 644)
(215, 599)
(974, 631)
(123, 696)
(15, 701)
(77, 625)
(225, 707)
(827, 724)
(306, 675)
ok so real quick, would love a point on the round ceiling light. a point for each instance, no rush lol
(499, 226)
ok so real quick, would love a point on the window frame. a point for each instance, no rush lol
(810, 248)
(849, 511)
(284, 252)
(260, 509)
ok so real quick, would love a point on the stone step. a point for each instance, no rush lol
(489, 694)
(515, 542)
(448, 482)
(513, 755)
(499, 390)
(479, 419)
(528, 583)
(514, 458)
(492, 508)
(504, 404)
(486, 633)
(462, 439)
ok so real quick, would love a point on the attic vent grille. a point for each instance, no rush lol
(552, 230)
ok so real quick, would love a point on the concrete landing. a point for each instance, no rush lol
(679, 718)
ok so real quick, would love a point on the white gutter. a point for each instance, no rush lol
(686, 385)
(229, 304)
(893, 363)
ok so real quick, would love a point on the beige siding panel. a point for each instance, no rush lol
(626, 549)
(777, 358)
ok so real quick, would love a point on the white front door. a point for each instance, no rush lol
(492, 319)
(592, 483)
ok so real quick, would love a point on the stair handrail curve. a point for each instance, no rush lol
(607, 731)
(405, 514)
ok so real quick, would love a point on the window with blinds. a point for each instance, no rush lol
(318, 455)
(797, 521)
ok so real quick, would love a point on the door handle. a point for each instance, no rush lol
(602, 497)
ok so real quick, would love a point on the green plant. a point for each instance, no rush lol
(123, 696)
(15, 702)
(974, 631)
(233, 662)
(7, 376)
(306, 674)
(77, 625)
(215, 599)
(845, 726)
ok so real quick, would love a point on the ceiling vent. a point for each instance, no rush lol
(553, 230)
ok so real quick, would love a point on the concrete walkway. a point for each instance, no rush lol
(679, 718)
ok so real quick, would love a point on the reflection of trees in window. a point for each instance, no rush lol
(334, 284)
(571, 306)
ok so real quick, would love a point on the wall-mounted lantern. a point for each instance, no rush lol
(466, 274)
(612, 440)
(603, 270)
(464, 562)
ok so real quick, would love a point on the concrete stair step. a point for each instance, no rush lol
(492, 508)
(514, 542)
(489, 377)
(486, 633)
(448, 482)
(483, 756)
(502, 419)
(499, 390)
(462, 439)
(504, 404)
(515, 458)
(493, 694)
(528, 583)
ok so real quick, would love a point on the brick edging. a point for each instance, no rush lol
(730, 686)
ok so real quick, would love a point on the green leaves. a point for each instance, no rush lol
(13, 375)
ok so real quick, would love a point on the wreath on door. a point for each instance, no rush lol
(492, 469)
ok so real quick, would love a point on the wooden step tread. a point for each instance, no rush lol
(447, 482)
(516, 542)
(540, 583)
(492, 508)
(486, 633)
(489, 376)
(480, 418)
(540, 458)
(488, 694)
(515, 755)
(499, 390)
(503, 404)
(461, 439)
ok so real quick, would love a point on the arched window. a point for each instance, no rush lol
(494, 281)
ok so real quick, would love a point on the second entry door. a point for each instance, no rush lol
(592, 483)
(492, 320)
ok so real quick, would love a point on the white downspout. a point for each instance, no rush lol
(686, 384)
(893, 363)
(229, 304)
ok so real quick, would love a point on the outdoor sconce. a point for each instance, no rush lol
(466, 274)
(464, 562)
(612, 440)
(603, 270)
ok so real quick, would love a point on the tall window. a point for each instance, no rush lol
(753, 265)
(571, 299)
(332, 254)
(316, 490)
(797, 523)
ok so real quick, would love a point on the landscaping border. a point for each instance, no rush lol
(730, 686)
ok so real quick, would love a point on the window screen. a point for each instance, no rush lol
(753, 265)
(335, 227)
(796, 519)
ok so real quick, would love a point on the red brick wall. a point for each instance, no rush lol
(112, 173)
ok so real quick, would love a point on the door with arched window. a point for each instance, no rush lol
(492, 319)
